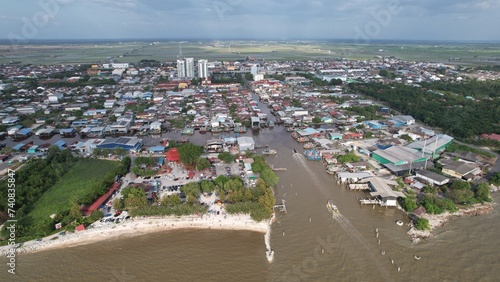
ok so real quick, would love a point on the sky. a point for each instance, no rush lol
(360, 20)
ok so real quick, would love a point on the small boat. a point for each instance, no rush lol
(269, 152)
(416, 257)
(308, 145)
(270, 255)
(295, 151)
(399, 223)
(331, 207)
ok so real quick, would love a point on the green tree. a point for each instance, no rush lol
(495, 179)
(408, 204)
(202, 163)
(207, 186)
(482, 192)
(189, 154)
(317, 120)
(422, 224)
(75, 212)
(134, 197)
(117, 204)
(383, 73)
(147, 161)
(348, 158)
(368, 134)
(269, 177)
(226, 157)
(406, 137)
(460, 196)
(119, 151)
(191, 188)
(175, 200)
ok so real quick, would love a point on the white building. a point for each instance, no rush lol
(258, 77)
(254, 69)
(189, 67)
(181, 68)
(120, 65)
(202, 68)
(246, 143)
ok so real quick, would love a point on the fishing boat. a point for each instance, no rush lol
(312, 155)
(308, 145)
(269, 152)
(332, 169)
(303, 139)
(331, 207)
(216, 130)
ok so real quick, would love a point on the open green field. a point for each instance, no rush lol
(74, 184)
(131, 52)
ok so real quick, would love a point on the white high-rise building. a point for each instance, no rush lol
(254, 69)
(189, 67)
(202, 68)
(181, 68)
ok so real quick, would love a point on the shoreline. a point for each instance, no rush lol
(440, 220)
(137, 226)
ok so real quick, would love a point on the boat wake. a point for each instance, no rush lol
(347, 226)
(301, 159)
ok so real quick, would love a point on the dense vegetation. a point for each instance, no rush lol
(454, 147)
(463, 110)
(257, 201)
(437, 201)
(58, 185)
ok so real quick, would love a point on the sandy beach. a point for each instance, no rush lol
(138, 226)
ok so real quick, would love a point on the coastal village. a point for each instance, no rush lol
(111, 110)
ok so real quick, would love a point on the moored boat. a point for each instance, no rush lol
(269, 152)
(308, 145)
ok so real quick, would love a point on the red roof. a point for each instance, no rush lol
(492, 136)
(101, 200)
(172, 155)
(80, 227)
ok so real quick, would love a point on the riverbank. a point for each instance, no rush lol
(139, 226)
(440, 220)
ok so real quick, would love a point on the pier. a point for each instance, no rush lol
(371, 202)
(282, 207)
(358, 186)
(277, 168)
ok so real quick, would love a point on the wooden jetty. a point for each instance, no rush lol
(261, 146)
(373, 201)
(282, 207)
(278, 168)
(359, 186)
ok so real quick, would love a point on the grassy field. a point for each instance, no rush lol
(74, 184)
(132, 52)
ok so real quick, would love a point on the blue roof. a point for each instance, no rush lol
(157, 149)
(66, 130)
(60, 143)
(18, 146)
(24, 131)
(160, 161)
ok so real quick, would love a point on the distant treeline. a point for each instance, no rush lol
(463, 110)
